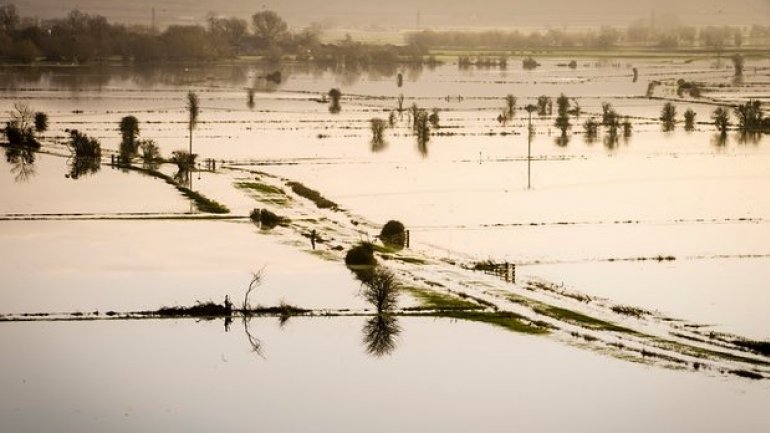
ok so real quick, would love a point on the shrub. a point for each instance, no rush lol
(150, 151)
(393, 234)
(361, 255)
(183, 159)
(267, 219)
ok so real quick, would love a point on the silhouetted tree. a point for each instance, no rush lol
(721, 118)
(607, 113)
(377, 126)
(250, 98)
(82, 145)
(129, 130)
(9, 18)
(20, 127)
(612, 123)
(150, 153)
(233, 31)
(334, 105)
(381, 290)
(627, 127)
(184, 160)
(750, 116)
(737, 64)
(562, 105)
(193, 111)
(434, 119)
(591, 128)
(689, 120)
(269, 28)
(510, 106)
(668, 116)
(41, 122)
(542, 105)
(529, 63)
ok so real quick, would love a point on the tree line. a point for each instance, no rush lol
(637, 34)
(81, 37)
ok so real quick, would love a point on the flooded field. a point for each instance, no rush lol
(442, 376)
(640, 258)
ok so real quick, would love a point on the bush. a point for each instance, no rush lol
(184, 159)
(150, 151)
(361, 255)
(393, 234)
(267, 219)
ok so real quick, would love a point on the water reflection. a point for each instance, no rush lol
(83, 166)
(422, 147)
(183, 177)
(260, 77)
(562, 140)
(378, 145)
(610, 140)
(22, 161)
(719, 140)
(254, 342)
(250, 98)
(749, 137)
(379, 334)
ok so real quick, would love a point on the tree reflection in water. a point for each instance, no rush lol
(22, 160)
(380, 334)
(83, 166)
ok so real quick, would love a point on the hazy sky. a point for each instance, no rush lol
(433, 13)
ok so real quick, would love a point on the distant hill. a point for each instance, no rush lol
(428, 13)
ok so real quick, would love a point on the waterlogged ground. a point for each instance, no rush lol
(672, 224)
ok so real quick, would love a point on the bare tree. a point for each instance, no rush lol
(381, 290)
(269, 27)
(256, 280)
(721, 118)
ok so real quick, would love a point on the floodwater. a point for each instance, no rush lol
(673, 222)
(315, 375)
